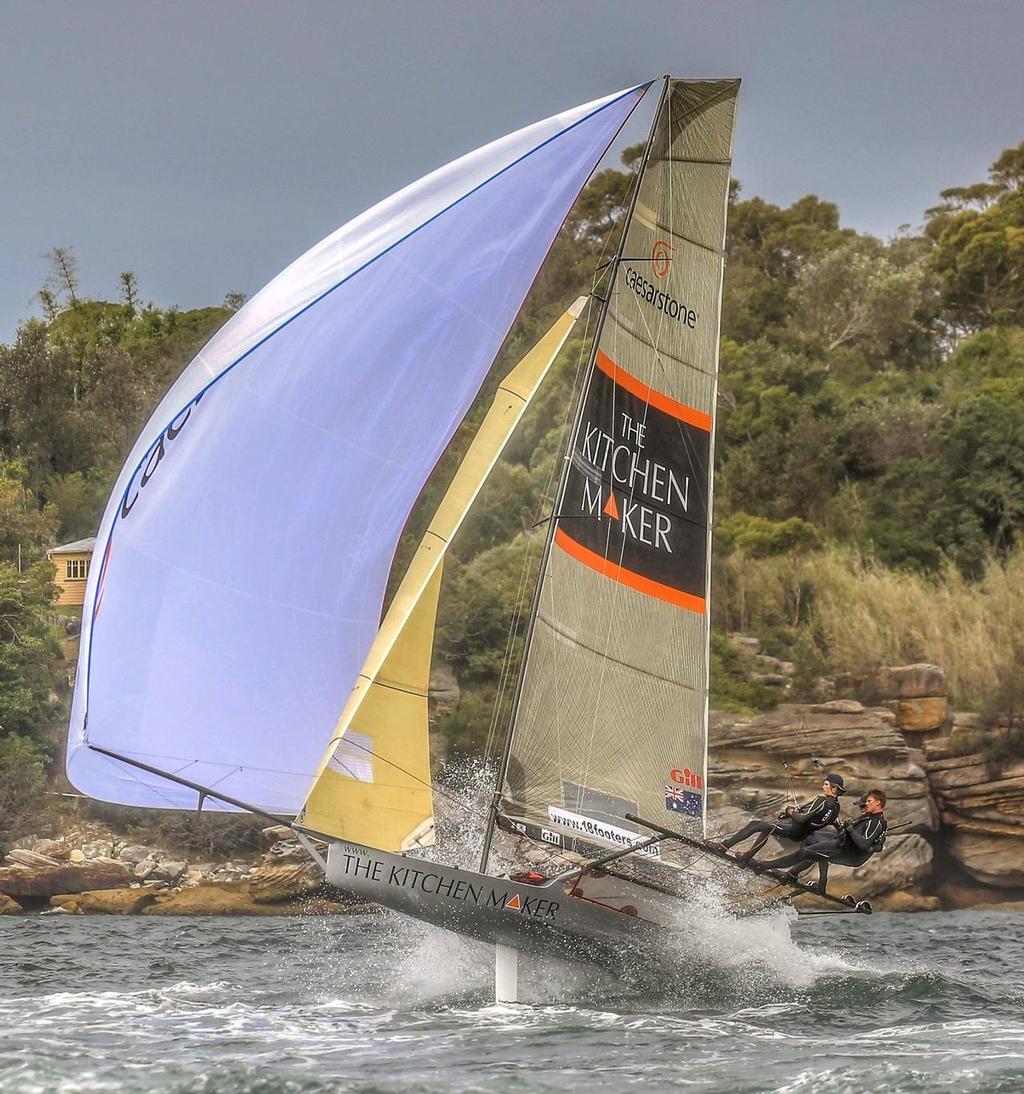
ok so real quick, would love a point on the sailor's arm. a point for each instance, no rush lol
(863, 833)
(814, 810)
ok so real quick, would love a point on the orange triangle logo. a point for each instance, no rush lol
(610, 507)
(514, 903)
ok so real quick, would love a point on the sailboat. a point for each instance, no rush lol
(233, 654)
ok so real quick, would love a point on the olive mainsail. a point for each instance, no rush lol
(614, 695)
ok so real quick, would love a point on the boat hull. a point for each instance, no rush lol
(553, 917)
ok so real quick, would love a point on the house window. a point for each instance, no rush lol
(76, 569)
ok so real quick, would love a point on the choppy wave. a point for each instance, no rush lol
(226, 1006)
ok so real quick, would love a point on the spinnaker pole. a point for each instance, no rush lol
(560, 493)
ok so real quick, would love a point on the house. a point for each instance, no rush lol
(72, 562)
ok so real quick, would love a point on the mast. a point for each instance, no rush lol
(560, 493)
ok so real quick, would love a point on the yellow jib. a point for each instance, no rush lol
(373, 785)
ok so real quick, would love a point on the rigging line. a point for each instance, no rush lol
(528, 557)
(618, 592)
(409, 774)
(563, 479)
(514, 619)
(530, 554)
(130, 772)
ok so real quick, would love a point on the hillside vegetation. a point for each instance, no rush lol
(870, 456)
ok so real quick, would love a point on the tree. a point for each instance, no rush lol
(979, 231)
(856, 295)
(27, 650)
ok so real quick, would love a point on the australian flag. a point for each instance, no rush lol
(683, 801)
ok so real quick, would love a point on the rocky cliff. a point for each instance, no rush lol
(957, 820)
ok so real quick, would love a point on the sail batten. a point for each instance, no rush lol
(248, 539)
(611, 717)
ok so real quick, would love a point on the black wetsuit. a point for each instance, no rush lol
(798, 825)
(853, 845)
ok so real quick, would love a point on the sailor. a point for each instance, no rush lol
(796, 823)
(852, 845)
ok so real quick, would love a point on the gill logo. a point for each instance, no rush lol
(661, 258)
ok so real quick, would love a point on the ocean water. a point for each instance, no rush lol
(376, 1003)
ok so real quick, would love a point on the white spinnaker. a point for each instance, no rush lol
(243, 555)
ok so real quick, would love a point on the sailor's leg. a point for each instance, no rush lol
(506, 974)
(761, 840)
(798, 857)
(822, 875)
(747, 831)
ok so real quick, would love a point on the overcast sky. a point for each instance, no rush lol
(206, 145)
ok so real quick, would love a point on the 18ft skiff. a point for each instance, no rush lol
(234, 621)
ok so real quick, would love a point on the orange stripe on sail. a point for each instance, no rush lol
(627, 577)
(684, 413)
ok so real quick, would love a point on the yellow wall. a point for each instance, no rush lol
(72, 589)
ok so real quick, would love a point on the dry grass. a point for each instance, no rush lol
(863, 614)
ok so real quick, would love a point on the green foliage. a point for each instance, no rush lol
(865, 457)
(26, 529)
(465, 729)
(979, 233)
(483, 608)
(27, 648)
(22, 779)
(209, 834)
(731, 686)
(759, 537)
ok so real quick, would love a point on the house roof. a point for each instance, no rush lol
(79, 547)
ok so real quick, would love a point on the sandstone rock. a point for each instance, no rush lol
(911, 901)
(838, 706)
(145, 867)
(21, 857)
(910, 682)
(905, 862)
(746, 642)
(168, 873)
(221, 899)
(96, 849)
(49, 880)
(41, 845)
(963, 719)
(272, 884)
(770, 679)
(76, 855)
(955, 893)
(996, 860)
(8, 906)
(135, 853)
(919, 715)
(444, 691)
(286, 851)
(776, 665)
(953, 771)
(65, 900)
(277, 832)
(114, 901)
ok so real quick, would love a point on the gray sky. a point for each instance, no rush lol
(206, 145)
